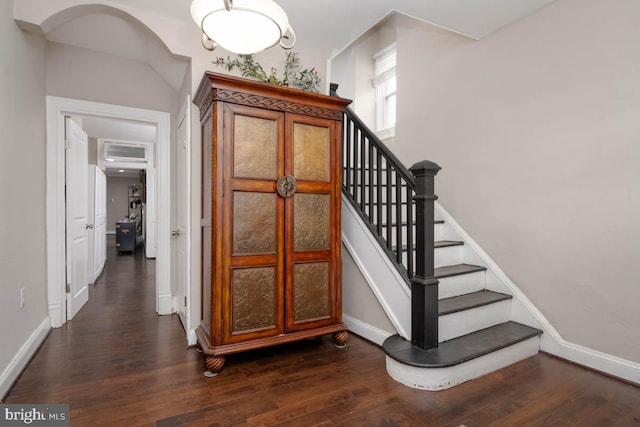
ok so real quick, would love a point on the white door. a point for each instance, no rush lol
(91, 187)
(77, 204)
(100, 223)
(181, 234)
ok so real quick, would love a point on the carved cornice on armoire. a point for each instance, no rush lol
(219, 87)
(251, 100)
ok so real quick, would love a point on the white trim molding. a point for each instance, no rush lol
(365, 330)
(524, 311)
(23, 356)
(192, 339)
(57, 109)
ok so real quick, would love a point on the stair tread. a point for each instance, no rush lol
(461, 349)
(437, 244)
(456, 270)
(447, 243)
(469, 301)
(393, 224)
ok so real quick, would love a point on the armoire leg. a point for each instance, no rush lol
(214, 366)
(340, 339)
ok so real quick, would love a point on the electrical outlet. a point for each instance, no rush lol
(21, 297)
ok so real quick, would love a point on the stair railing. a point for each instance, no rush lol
(397, 205)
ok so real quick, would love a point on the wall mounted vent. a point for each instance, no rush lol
(123, 152)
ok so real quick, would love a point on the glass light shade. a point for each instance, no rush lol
(249, 27)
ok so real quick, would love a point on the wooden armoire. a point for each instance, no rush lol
(271, 240)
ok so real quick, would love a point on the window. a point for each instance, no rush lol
(385, 85)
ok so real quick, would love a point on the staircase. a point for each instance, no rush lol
(462, 325)
(476, 333)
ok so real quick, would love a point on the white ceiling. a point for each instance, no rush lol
(326, 26)
(330, 25)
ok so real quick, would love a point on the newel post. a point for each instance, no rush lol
(424, 287)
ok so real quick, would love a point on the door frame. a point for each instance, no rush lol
(57, 108)
(185, 117)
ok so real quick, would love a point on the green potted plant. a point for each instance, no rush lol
(293, 76)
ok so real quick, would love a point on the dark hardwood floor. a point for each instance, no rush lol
(119, 364)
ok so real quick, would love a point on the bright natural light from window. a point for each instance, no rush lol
(385, 85)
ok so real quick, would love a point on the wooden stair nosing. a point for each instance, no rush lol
(461, 349)
(456, 270)
(404, 223)
(447, 243)
(436, 245)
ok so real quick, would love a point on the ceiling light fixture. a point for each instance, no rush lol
(242, 26)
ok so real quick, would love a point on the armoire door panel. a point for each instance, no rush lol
(254, 300)
(255, 147)
(311, 152)
(254, 223)
(311, 294)
(311, 222)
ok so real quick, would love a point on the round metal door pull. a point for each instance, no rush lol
(286, 186)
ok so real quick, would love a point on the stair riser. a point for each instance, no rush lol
(465, 322)
(383, 211)
(449, 255)
(442, 256)
(439, 230)
(460, 285)
(436, 379)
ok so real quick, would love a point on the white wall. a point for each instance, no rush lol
(353, 69)
(22, 192)
(358, 300)
(536, 128)
(78, 73)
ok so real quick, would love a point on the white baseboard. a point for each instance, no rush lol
(23, 356)
(551, 341)
(164, 304)
(365, 330)
(111, 232)
(56, 315)
(590, 358)
(192, 339)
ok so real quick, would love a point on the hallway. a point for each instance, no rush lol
(106, 353)
(119, 364)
